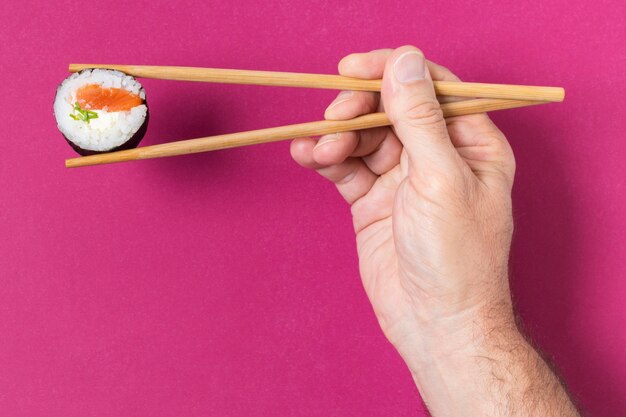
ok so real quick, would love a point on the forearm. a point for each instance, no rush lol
(486, 369)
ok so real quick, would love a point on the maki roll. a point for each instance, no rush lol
(101, 110)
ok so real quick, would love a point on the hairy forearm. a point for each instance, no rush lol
(486, 369)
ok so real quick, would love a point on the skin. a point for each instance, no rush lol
(431, 206)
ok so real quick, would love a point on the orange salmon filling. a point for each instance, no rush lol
(94, 97)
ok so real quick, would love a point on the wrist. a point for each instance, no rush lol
(463, 373)
(453, 339)
(477, 362)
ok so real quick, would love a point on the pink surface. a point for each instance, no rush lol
(226, 283)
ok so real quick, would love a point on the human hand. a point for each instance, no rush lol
(430, 201)
(431, 206)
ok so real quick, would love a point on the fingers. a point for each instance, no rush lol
(409, 98)
(334, 156)
(302, 152)
(413, 107)
(350, 104)
(385, 156)
(335, 148)
(369, 65)
(441, 73)
(352, 177)
(379, 148)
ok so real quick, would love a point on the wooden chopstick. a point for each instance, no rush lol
(274, 134)
(337, 82)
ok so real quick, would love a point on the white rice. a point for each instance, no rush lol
(110, 129)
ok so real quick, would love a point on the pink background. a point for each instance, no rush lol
(226, 283)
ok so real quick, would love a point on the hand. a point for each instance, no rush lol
(431, 207)
(430, 201)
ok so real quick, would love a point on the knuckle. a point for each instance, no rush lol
(502, 153)
(366, 102)
(347, 176)
(424, 113)
(500, 147)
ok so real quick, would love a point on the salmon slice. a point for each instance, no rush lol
(95, 97)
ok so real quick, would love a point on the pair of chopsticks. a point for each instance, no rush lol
(493, 97)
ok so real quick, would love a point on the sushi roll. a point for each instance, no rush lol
(101, 110)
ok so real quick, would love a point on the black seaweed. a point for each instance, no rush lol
(133, 142)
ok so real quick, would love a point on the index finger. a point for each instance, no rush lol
(367, 65)
(371, 65)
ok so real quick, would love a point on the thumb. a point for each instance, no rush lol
(410, 102)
